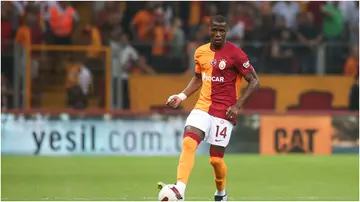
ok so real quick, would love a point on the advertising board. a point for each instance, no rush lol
(85, 137)
(295, 134)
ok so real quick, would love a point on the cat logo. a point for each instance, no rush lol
(295, 134)
(294, 141)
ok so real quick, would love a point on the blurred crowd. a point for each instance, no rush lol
(281, 37)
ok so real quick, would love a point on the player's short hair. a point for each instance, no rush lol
(219, 19)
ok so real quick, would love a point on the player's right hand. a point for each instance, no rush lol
(173, 101)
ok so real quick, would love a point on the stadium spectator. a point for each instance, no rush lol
(253, 29)
(333, 30)
(6, 93)
(354, 95)
(347, 8)
(178, 40)
(333, 26)
(310, 37)
(18, 11)
(177, 44)
(315, 7)
(351, 67)
(62, 18)
(238, 23)
(191, 47)
(112, 12)
(142, 26)
(6, 39)
(282, 54)
(236, 32)
(252, 26)
(162, 36)
(289, 10)
(31, 32)
(210, 11)
(125, 60)
(195, 17)
(143, 23)
(92, 38)
(78, 84)
(354, 25)
(110, 18)
(168, 8)
(264, 10)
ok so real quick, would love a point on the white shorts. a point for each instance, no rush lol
(217, 131)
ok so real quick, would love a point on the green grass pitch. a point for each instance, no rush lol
(250, 177)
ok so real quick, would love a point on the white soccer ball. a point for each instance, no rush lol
(170, 193)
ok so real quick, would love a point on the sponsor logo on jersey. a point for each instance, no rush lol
(222, 64)
(212, 78)
(246, 64)
(213, 62)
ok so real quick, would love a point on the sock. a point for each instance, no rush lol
(187, 159)
(220, 171)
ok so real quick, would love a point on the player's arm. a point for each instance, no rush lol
(247, 71)
(249, 74)
(253, 83)
(194, 85)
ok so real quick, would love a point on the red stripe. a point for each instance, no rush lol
(223, 94)
(193, 136)
(214, 153)
(177, 193)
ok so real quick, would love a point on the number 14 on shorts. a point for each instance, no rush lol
(220, 133)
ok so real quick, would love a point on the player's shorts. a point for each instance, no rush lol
(217, 130)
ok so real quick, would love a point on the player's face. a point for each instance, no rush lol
(218, 33)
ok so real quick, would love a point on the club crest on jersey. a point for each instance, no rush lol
(222, 64)
(213, 62)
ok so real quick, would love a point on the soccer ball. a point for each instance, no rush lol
(170, 193)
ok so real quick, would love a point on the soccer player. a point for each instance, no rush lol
(220, 66)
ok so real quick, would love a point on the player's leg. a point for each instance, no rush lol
(220, 171)
(192, 138)
(219, 137)
(196, 127)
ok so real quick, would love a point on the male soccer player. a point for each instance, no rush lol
(220, 66)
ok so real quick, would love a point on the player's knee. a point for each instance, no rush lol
(216, 157)
(216, 160)
(193, 136)
(189, 144)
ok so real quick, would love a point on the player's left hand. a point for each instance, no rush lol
(232, 112)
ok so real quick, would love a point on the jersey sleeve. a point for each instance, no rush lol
(242, 63)
(197, 63)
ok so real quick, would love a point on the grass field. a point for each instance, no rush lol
(250, 177)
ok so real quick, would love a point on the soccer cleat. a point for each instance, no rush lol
(221, 198)
(160, 185)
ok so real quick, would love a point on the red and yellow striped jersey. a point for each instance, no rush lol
(221, 71)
